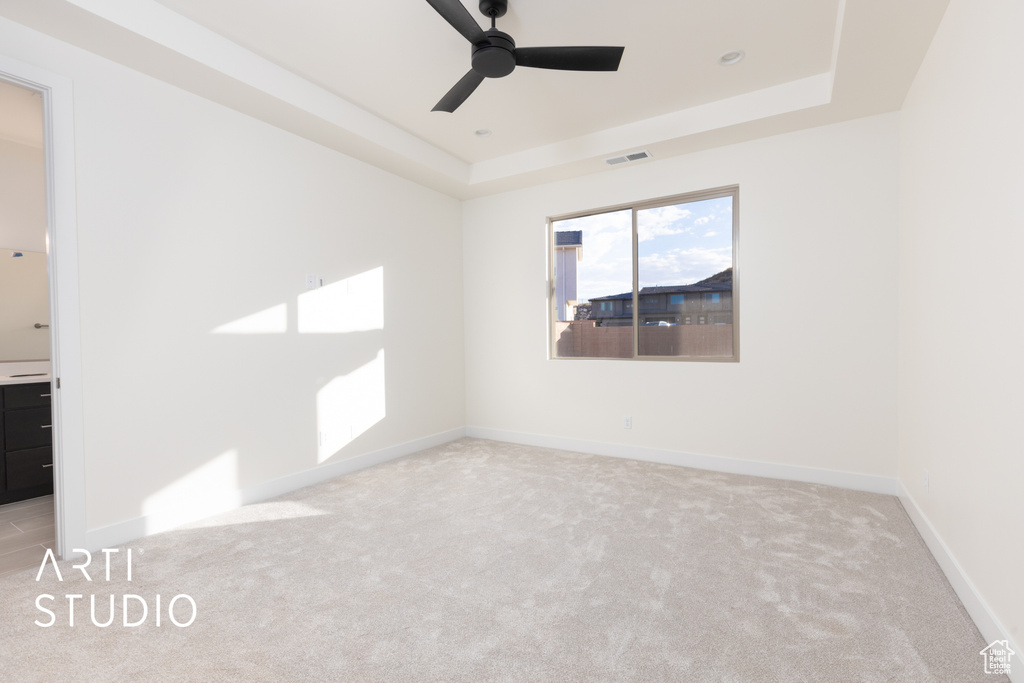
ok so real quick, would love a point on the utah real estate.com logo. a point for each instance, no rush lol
(134, 608)
(997, 657)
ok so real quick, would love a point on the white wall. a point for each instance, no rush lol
(22, 197)
(961, 243)
(816, 385)
(24, 290)
(191, 216)
(24, 301)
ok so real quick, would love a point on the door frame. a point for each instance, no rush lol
(62, 269)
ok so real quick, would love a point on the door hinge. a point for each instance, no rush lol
(58, 382)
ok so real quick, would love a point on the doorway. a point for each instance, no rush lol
(51, 96)
(26, 452)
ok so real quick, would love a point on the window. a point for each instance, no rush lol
(654, 254)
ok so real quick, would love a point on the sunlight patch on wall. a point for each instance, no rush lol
(208, 489)
(349, 405)
(273, 320)
(355, 304)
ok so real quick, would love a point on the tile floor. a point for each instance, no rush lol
(26, 531)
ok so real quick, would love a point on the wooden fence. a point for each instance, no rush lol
(584, 339)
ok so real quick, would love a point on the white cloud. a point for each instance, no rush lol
(607, 253)
(683, 266)
(646, 233)
(669, 252)
(662, 221)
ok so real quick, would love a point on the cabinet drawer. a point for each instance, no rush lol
(30, 468)
(27, 428)
(27, 395)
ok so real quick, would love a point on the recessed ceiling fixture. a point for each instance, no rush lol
(482, 133)
(731, 57)
(495, 54)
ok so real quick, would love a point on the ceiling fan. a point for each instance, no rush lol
(495, 53)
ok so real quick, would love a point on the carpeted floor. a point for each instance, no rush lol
(483, 561)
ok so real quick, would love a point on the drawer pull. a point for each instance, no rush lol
(44, 395)
(45, 426)
(50, 465)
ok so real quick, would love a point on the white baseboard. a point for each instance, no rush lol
(847, 480)
(124, 532)
(978, 609)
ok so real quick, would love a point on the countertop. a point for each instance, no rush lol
(24, 372)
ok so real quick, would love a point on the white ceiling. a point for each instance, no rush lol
(397, 59)
(362, 77)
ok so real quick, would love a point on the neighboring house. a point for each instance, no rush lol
(568, 252)
(708, 302)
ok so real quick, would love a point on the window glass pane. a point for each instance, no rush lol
(593, 258)
(686, 249)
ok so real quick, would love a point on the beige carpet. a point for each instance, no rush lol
(482, 561)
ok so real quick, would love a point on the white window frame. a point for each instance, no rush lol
(714, 193)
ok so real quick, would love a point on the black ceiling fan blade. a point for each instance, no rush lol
(570, 58)
(456, 14)
(459, 92)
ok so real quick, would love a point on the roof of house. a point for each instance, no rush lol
(719, 282)
(569, 238)
(670, 289)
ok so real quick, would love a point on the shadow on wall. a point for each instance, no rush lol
(347, 405)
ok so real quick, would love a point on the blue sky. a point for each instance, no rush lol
(678, 245)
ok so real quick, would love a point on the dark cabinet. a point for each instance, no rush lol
(26, 437)
(26, 428)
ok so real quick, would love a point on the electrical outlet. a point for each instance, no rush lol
(311, 282)
(627, 422)
(927, 482)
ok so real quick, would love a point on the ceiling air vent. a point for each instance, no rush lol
(627, 158)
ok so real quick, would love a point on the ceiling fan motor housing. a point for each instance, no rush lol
(494, 8)
(497, 58)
